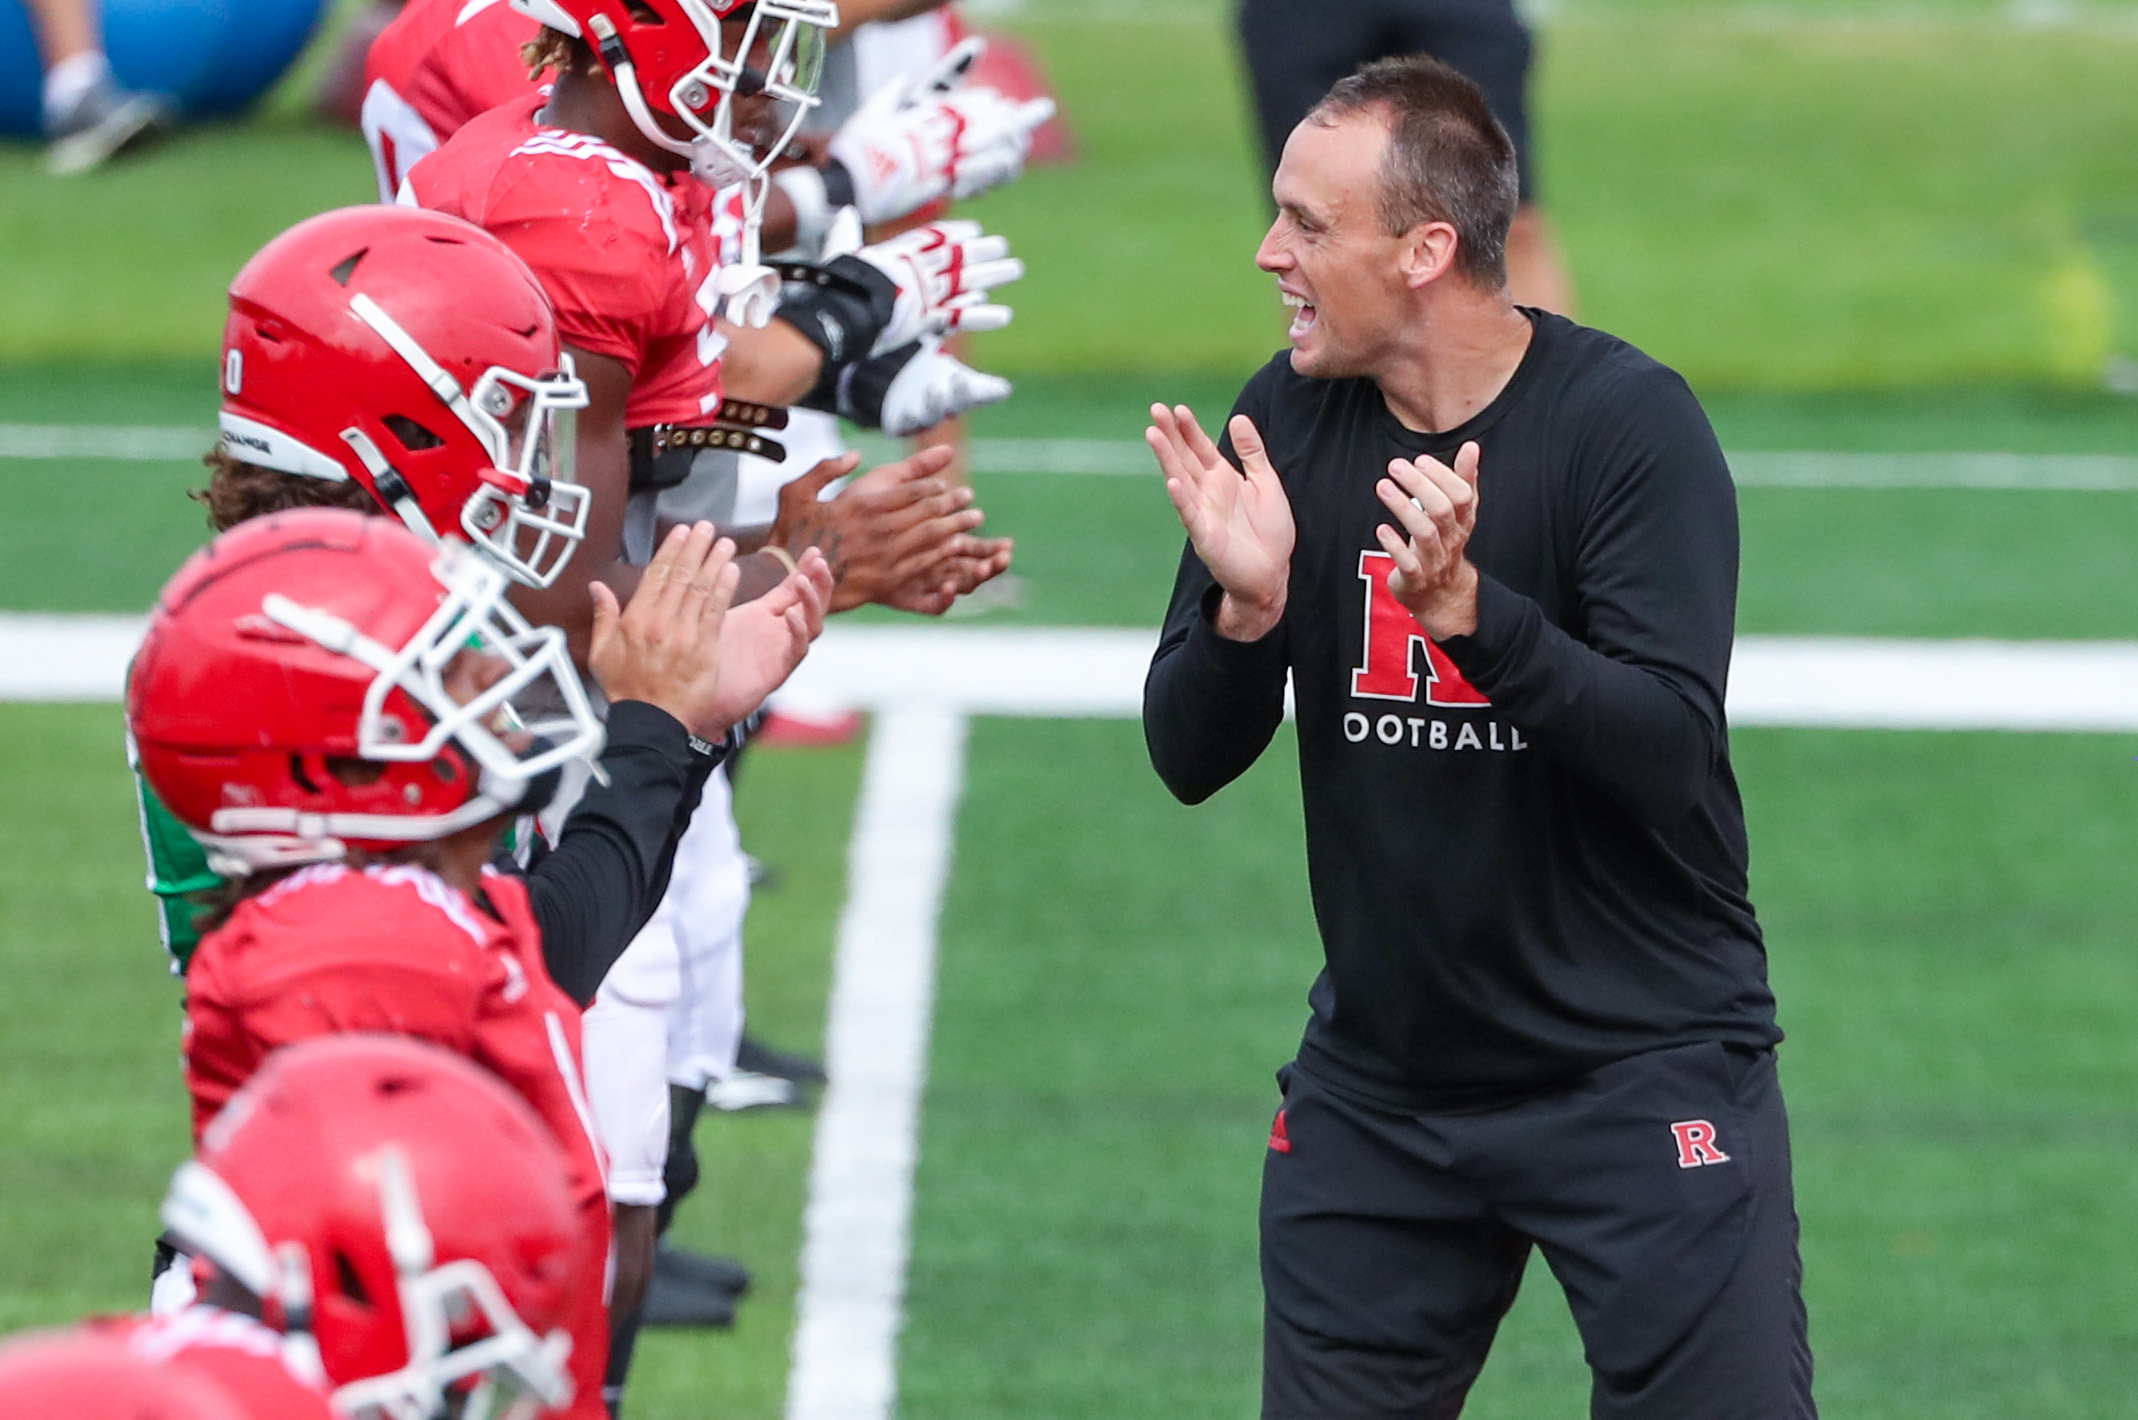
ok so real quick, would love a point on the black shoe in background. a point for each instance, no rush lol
(727, 1273)
(677, 1299)
(761, 1059)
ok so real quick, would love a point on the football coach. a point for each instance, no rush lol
(1495, 553)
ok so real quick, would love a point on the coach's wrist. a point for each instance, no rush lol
(1248, 619)
(1450, 609)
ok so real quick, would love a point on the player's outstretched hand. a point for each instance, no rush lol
(931, 387)
(945, 274)
(762, 642)
(664, 647)
(1435, 506)
(910, 143)
(1238, 518)
(971, 562)
(885, 529)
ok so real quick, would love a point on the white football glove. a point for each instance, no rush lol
(945, 273)
(933, 387)
(911, 144)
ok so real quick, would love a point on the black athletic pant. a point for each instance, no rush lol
(1657, 1187)
(1297, 48)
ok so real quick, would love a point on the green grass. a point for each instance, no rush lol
(1780, 196)
(1949, 919)
(795, 807)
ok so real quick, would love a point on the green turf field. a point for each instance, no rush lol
(1856, 227)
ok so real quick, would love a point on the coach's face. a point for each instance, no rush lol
(1339, 270)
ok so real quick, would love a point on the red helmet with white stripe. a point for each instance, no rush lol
(416, 354)
(320, 680)
(400, 1206)
(726, 83)
(672, 58)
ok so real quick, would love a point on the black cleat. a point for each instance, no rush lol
(726, 1273)
(673, 1299)
(761, 1059)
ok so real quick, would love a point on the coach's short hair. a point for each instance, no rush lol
(1448, 159)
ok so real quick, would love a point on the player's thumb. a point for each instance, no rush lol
(606, 615)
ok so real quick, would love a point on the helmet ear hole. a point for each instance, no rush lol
(643, 13)
(413, 436)
(347, 1282)
(298, 773)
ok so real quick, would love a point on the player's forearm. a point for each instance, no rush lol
(570, 605)
(775, 365)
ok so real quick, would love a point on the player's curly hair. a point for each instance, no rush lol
(239, 492)
(554, 49)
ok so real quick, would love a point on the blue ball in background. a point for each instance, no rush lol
(213, 56)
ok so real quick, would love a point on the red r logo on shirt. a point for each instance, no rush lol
(1392, 639)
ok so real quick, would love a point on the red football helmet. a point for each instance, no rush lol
(267, 1374)
(76, 1376)
(671, 57)
(404, 1209)
(416, 354)
(295, 641)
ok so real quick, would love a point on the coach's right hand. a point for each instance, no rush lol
(1238, 518)
(664, 647)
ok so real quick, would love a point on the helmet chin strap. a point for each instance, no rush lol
(393, 489)
(751, 287)
(625, 74)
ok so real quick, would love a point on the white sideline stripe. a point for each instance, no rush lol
(1834, 682)
(856, 1227)
(1128, 458)
(133, 444)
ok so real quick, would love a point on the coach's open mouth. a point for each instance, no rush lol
(1304, 313)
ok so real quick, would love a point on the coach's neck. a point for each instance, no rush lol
(1459, 352)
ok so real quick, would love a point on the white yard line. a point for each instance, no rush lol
(1128, 458)
(1834, 682)
(117, 443)
(856, 1228)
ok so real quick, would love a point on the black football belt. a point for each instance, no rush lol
(662, 454)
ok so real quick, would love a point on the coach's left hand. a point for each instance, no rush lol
(1436, 507)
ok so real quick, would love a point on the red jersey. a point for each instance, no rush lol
(394, 949)
(630, 258)
(234, 1353)
(440, 63)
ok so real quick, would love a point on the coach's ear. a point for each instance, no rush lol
(1428, 253)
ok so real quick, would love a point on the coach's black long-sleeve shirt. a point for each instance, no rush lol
(1526, 845)
(597, 887)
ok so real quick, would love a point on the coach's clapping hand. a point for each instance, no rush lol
(664, 648)
(1436, 507)
(1238, 518)
(764, 640)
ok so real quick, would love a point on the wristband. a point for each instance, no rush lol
(839, 307)
(814, 207)
(838, 184)
(857, 391)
